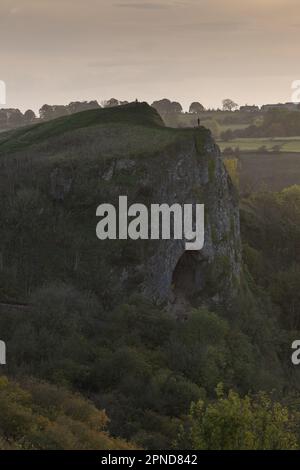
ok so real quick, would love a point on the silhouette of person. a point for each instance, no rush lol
(198, 120)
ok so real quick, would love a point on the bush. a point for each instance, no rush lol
(235, 423)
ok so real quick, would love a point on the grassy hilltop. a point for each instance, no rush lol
(135, 118)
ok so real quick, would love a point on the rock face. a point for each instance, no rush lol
(190, 171)
(213, 273)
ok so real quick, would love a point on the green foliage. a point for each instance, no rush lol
(197, 349)
(137, 359)
(271, 221)
(270, 225)
(235, 423)
(254, 261)
(274, 123)
(37, 415)
(232, 166)
(280, 123)
(285, 291)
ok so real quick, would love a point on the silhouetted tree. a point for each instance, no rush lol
(14, 117)
(45, 111)
(48, 112)
(111, 103)
(166, 106)
(78, 106)
(29, 116)
(229, 105)
(3, 118)
(196, 108)
(176, 107)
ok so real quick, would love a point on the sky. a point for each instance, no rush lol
(57, 51)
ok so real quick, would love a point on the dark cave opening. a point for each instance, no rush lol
(189, 276)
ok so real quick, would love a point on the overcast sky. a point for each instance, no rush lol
(56, 51)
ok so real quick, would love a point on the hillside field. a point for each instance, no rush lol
(282, 144)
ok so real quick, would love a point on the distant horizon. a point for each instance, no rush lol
(201, 50)
(185, 108)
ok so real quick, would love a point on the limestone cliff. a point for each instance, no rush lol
(194, 173)
(188, 171)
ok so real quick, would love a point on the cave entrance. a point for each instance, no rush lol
(189, 276)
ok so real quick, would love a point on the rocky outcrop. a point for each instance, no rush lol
(211, 275)
(91, 158)
(189, 171)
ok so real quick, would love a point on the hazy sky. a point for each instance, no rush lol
(56, 51)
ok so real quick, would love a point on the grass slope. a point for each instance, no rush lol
(131, 114)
